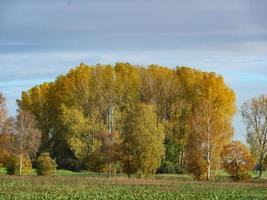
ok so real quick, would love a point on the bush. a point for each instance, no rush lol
(179, 169)
(237, 161)
(198, 169)
(13, 165)
(70, 164)
(167, 167)
(45, 165)
(3, 158)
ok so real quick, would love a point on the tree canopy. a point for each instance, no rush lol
(177, 108)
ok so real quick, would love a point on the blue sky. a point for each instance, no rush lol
(42, 39)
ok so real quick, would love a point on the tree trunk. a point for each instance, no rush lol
(208, 161)
(181, 158)
(20, 165)
(236, 171)
(260, 167)
(208, 174)
(208, 148)
(109, 170)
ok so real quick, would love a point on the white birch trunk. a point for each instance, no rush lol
(20, 165)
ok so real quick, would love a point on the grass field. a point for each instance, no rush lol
(86, 185)
(80, 187)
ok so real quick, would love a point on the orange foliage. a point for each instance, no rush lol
(237, 160)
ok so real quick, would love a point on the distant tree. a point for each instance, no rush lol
(45, 165)
(41, 101)
(26, 138)
(144, 140)
(6, 130)
(254, 113)
(237, 160)
(3, 114)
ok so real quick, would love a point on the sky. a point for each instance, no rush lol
(40, 40)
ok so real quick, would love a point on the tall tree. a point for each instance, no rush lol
(27, 137)
(254, 113)
(144, 140)
(211, 125)
(40, 101)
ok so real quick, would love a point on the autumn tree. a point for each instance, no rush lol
(237, 160)
(40, 101)
(254, 113)
(106, 158)
(14, 167)
(161, 87)
(26, 138)
(81, 133)
(211, 125)
(187, 97)
(6, 130)
(77, 107)
(45, 165)
(144, 140)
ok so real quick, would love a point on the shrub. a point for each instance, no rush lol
(195, 164)
(166, 167)
(70, 164)
(45, 165)
(13, 165)
(237, 160)
(179, 169)
(198, 169)
(3, 158)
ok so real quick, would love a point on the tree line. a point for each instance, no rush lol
(138, 120)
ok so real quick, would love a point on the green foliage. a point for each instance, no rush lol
(265, 163)
(13, 165)
(78, 188)
(45, 165)
(143, 140)
(167, 167)
(172, 151)
(106, 157)
(81, 132)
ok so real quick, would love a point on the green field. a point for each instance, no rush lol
(71, 185)
(122, 188)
